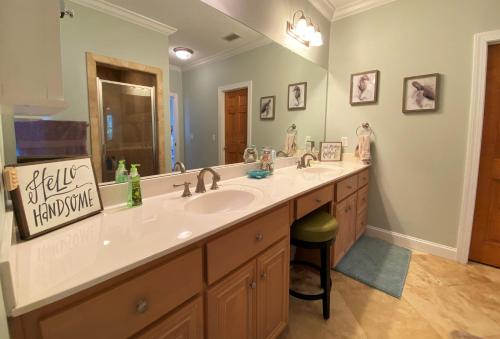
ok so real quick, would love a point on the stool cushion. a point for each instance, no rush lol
(317, 226)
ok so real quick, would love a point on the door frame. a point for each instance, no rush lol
(178, 156)
(474, 136)
(222, 117)
(92, 60)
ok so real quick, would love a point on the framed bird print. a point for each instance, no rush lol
(297, 95)
(364, 88)
(421, 93)
(267, 108)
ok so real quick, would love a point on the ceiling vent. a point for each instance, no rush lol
(231, 37)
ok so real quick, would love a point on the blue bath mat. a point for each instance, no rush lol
(378, 264)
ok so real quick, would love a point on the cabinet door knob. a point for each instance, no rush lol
(259, 236)
(142, 306)
(253, 285)
(263, 275)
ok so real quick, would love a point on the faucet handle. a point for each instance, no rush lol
(187, 192)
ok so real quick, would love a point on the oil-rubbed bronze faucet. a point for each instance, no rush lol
(180, 165)
(200, 185)
(187, 192)
(302, 163)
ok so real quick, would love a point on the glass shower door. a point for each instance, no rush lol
(128, 127)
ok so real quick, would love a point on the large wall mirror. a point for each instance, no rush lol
(140, 93)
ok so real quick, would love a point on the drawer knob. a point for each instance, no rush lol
(259, 236)
(317, 200)
(349, 187)
(263, 275)
(142, 306)
(253, 285)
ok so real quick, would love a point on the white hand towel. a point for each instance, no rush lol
(364, 148)
(290, 144)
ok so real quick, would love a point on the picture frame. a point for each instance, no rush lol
(421, 93)
(330, 151)
(364, 88)
(297, 96)
(52, 194)
(267, 108)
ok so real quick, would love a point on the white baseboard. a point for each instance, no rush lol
(412, 242)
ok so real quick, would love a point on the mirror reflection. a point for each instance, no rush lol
(187, 86)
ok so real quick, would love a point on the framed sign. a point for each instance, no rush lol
(330, 151)
(51, 194)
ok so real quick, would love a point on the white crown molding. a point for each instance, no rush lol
(325, 7)
(175, 68)
(357, 7)
(227, 54)
(412, 243)
(127, 15)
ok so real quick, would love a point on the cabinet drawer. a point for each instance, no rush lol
(185, 323)
(363, 198)
(130, 306)
(361, 221)
(231, 250)
(346, 187)
(311, 201)
(363, 178)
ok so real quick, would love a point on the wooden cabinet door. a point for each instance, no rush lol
(345, 213)
(232, 305)
(361, 223)
(272, 291)
(185, 323)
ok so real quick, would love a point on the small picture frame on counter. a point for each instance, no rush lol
(48, 195)
(330, 151)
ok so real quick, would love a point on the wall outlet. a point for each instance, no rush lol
(345, 141)
(213, 137)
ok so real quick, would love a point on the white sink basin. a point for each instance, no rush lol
(224, 200)
(323, 170)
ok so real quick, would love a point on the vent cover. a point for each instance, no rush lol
(231, 37)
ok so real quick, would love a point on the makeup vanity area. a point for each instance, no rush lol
(212, 265)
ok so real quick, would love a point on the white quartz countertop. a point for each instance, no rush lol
(74, 258)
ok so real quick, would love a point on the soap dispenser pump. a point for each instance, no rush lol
(134, 187)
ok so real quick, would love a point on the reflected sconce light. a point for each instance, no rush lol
(183, 53)
(303, 30)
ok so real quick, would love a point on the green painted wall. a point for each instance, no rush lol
(270, 68)
(416, 181)
(93, 31)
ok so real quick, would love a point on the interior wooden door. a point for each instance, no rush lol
(235, 105)
(232, 306)
(485, 242)
(273, 268)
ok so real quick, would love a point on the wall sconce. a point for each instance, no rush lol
(303, 30)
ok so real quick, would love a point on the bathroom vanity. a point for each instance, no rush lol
(159, 271)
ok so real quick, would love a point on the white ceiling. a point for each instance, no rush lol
(199, 27)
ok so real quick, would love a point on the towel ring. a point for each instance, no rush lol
(365, 126)
(292, 128)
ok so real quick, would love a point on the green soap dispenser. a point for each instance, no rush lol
(134, 187)
(121, 173)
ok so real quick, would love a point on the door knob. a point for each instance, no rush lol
(263, 275)
(253, 285)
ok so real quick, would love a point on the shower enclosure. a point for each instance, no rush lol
(127, 127)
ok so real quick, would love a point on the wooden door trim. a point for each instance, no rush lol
(94, 119)
(474, 135)
(222, 118)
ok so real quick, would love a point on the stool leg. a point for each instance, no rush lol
(325, 280)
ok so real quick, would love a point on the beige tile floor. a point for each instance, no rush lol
(441, 299)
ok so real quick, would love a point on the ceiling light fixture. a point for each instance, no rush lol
(303, 30)
(183, 53)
